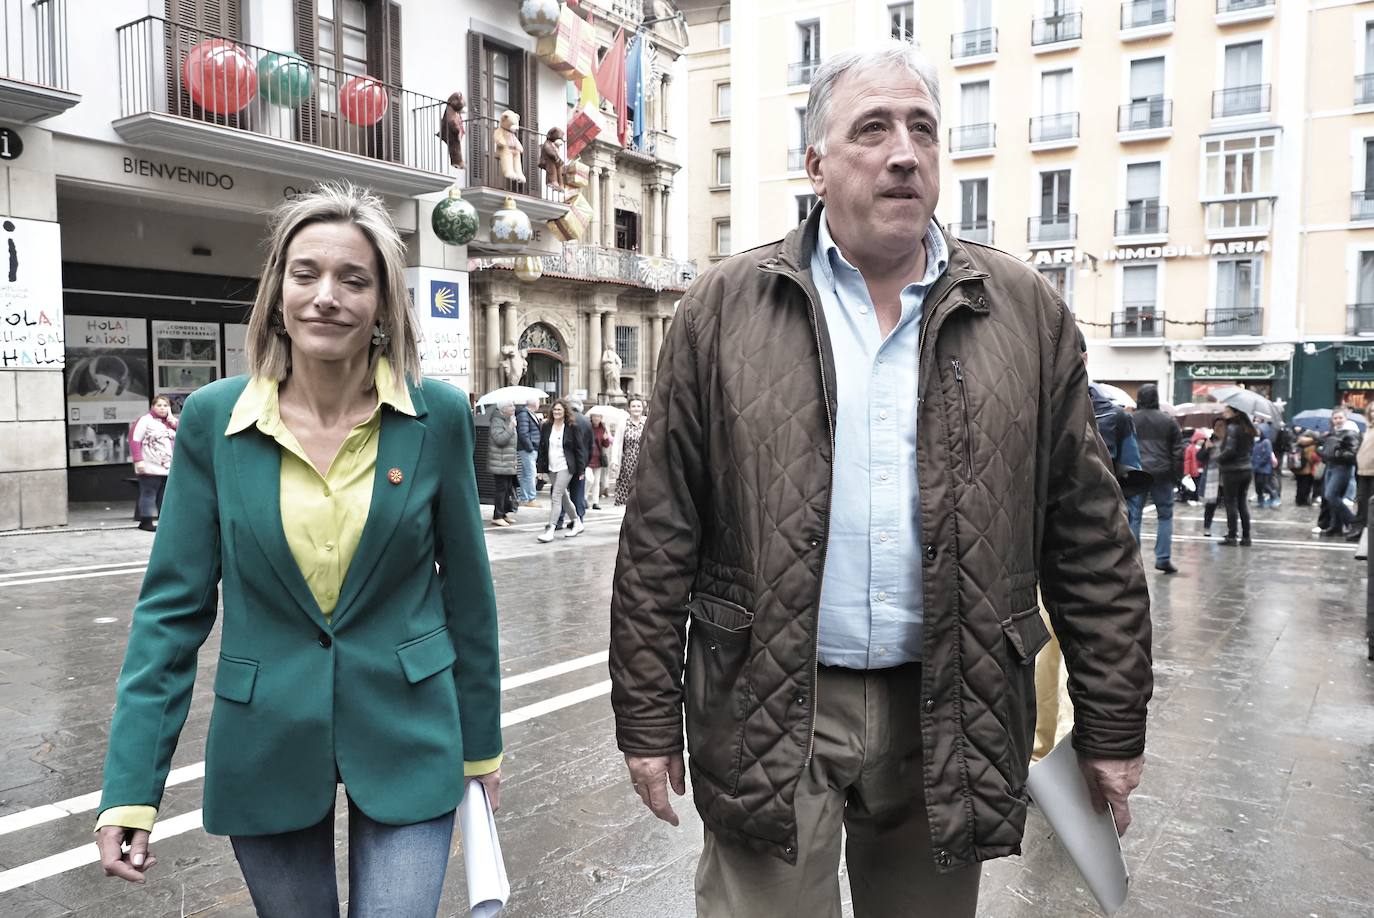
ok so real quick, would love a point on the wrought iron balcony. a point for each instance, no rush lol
(800, 73)
(1149, 219)
(1141, 14)
(974, 43)
(1364, 89)
(1240, 100)
(302, 127)
(1222, 323)
(484, 162)
(1058, 126)
(1049, 30)
(35, 77)
(796, 159)
(1146, 115)
(1359, 319)
(969, 137)
(1362, 205)
(1052, 228)
(1241, 6)
(1140, 320)
(974, 230)
(597, 264)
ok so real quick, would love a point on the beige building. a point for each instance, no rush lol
(1195, 178)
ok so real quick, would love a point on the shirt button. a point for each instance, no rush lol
(327, 492)
(880, 360)
(863, 310)
(882, 597)
(883, 415)
(882, 537)
(883, 476)
(882, 651)
(328, 546)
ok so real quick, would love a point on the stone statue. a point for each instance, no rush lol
(512, 364)
(610, 371)
(551, 158)
(451, 128)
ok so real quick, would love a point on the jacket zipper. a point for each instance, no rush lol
(963, 398)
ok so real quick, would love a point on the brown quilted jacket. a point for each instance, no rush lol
(727, 528)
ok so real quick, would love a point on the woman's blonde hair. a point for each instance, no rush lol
(269, 349)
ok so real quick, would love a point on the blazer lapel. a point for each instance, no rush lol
(258, 460)
(398, 447)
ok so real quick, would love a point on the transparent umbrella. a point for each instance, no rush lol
(1248, 401)
(516, 395)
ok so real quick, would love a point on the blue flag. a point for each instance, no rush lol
(634, 84)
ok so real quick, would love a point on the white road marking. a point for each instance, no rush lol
(1314, 546)
(71, 570)
(110, 573)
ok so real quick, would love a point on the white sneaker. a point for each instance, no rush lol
(547, 534)
(576, 529)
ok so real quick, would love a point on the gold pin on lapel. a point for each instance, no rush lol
(395, 476)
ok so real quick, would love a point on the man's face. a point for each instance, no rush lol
(880, 176)
(1337, 420)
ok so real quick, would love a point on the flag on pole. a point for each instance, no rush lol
(634, 83)
(610, 81)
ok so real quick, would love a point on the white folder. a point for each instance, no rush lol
(1061, 792)
(488, 888)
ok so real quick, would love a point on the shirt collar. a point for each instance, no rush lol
(257, 405)
(937, 253)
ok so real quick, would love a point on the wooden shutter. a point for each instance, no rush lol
(384, 62)
(478, 130)
(306, 25)
(534, 176)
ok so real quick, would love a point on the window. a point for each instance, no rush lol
(1142, 199)
(977, 14)
(1239, 182)
(627, 346)
(1139, 288)
(722, 100)
(1056, 92)
(809, 42)
(1369, 167)
(796, 153)
(722, 168)
(1364, 281)
(973, 202)
(1238, 285)
(805, 202)
(975, 103)
(343, 44)
(1244, 64)
(627, 230)
(901, 20)
(721, 233)
(1061, 279)
(1054, 193)
(723, 33)
(1146, 108)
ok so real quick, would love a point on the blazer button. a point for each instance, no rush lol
(325, 640)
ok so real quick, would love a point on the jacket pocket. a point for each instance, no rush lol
(1026, 632)
(426, 655)
(718, 687)
(968, 426)
(234, 679)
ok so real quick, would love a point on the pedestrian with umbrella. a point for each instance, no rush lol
(1234, 463)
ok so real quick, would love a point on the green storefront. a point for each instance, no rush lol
(1193, 379)
(1330, 373)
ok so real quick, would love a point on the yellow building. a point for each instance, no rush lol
(1197, 179)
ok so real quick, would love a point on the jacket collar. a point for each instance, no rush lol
(257, 405)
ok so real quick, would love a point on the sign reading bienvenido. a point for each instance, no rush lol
(1231, 371)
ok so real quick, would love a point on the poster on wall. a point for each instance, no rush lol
(185, 357)
(31, 329)
(235, 350)
(107, 386)
(441, 303)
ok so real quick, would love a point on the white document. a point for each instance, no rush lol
(488, 888)
(1061, 792)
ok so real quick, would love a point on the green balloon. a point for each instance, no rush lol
(285, 79)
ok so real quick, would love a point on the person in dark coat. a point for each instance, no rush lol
(1234, 464)
(1339, 451)
(502, 463)
(564, 459)
(1161, 456)
(527, 449)
(577, 490)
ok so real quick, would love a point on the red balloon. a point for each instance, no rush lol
(220, 76)
(363, 100)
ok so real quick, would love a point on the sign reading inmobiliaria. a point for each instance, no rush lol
(1149, 252)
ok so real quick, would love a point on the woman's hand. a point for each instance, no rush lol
(133, 865)
(140, 467)
(491, 782)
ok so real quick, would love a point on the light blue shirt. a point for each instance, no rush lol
(871, 594)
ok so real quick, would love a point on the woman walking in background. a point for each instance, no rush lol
(151, 445)
(502, 462)
(561, 458)
(599, 467)
(1210, 488)
(1303, 462)
(631, 434)
(1234, 462)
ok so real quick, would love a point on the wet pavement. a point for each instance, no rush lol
(1258, 795)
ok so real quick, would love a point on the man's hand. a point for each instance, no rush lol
(129, 866)
(491, 782)
(1111, 781)
(651, 776)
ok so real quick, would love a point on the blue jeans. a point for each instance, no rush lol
(1334, 486)
(393, 871)
(527, 491)
(1162, 493)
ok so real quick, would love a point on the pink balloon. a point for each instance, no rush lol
(363, 100)
(220, 76)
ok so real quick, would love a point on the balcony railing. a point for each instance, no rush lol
(1052, 228)
(1240, 100)
(1142, 220)
(1359, 319)
(1241, 6)
(1146, 115)
(1364, 89)
(796, 159)
(801, 72)
(152, 80)
(1058, 126)
(1222, 323)
(597, 263)
(626, 12)
(1048, 30)
(974, 230)
(1244, 215)
(35, 38)
(974, 43)
(1362, 205)
(1140, 320)
(969, 137)
(1141, 14)
(484, 162)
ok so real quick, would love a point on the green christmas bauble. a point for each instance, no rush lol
(454, 220)
(285, 79)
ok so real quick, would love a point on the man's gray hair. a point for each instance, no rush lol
(883, 56)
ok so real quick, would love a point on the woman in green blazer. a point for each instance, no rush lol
(335, 500)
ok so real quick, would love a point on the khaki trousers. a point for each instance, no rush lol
(1053, 709)
(864, 787)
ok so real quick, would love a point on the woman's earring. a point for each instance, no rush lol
(278, 326)
(379, 337)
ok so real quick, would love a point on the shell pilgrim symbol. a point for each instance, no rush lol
(395, 476)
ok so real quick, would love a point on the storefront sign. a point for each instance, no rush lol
(1231, 371)
(186, 175)
(107, 386)
(235, 350)
(30, 295)
(1356, 353)
(1149, 253)
(1366, 385)
(185, 357)
(441, 300)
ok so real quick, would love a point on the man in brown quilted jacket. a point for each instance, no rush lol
(870, 444)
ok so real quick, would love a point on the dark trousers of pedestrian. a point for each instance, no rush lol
(150, 491)
(577, 490)
(1235, 488)
(504, 502)
(860, 794)
(1209, 511)
(1264, 488)
(1364, 486)
(1334, 485)
(1304, 497)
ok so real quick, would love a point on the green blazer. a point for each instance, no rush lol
(396, 692)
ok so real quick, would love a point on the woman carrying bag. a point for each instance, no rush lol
(151, 444)
(335, 500)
